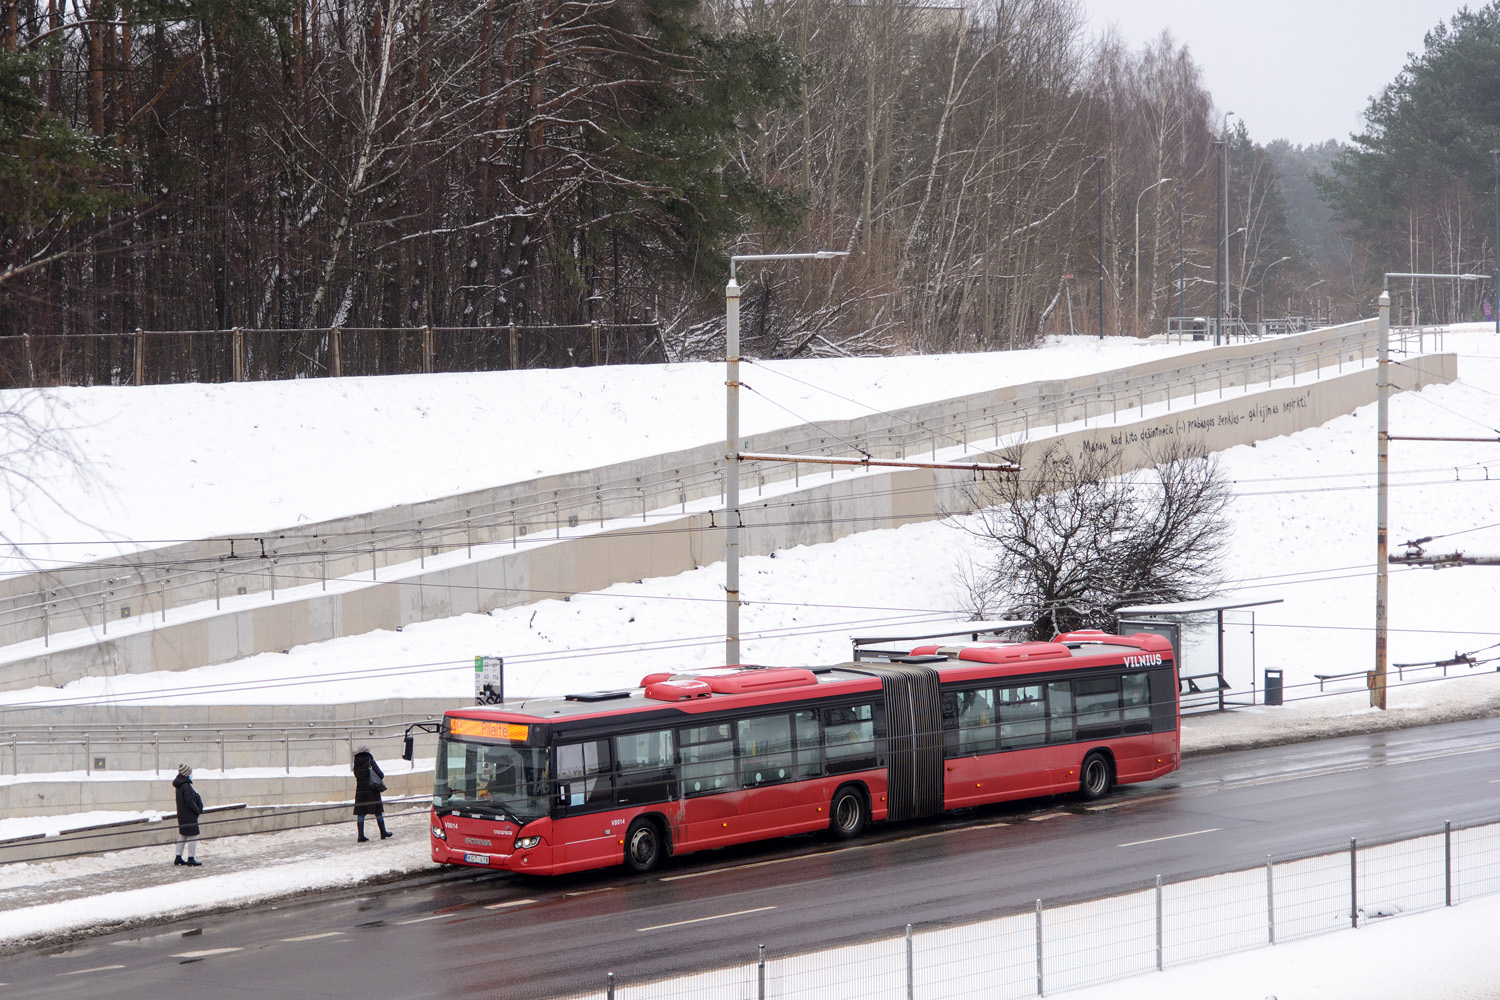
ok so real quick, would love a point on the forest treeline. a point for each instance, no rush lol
(305, 164)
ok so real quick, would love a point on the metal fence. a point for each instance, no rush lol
(1048, 949)
(37, 606)
(155, 357)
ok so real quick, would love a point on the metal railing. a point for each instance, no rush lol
(1146, 927)
(39, 750)
(151, 583)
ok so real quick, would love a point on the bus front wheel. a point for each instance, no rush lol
(1094, 777)
(848, 814)
(643, 846)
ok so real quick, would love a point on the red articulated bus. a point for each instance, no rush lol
(693, 761)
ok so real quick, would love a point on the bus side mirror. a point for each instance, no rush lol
(406, 751)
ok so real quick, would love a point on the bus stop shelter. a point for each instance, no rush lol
(1201, 685)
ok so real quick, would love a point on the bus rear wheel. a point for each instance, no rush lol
(643, 846)
(847, 815)
(1095, 777)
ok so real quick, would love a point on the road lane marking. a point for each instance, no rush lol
(731, 868)
(418, 920)
(513, 902)
(699, 920)
(1106, 806)
(1175, 836)
(206, 952)
(850, 849)
(314, 937)
(1044, 817)
(84, 972)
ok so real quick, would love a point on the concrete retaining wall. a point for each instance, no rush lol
(148, 585)
(669, 545)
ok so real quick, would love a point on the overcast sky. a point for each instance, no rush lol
(1302, 70)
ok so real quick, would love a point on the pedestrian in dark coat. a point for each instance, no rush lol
(368, 784)
(189, 808)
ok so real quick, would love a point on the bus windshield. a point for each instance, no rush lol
(509, 781)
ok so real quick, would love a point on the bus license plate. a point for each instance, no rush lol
(476, 859)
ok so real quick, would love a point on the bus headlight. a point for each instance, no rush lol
(437, 831)
(527, 843)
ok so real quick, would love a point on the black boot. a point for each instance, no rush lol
(385, 834)
(179, 861)
(193, 862)
(363, 839)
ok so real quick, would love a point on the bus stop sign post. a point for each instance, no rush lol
(489, 680)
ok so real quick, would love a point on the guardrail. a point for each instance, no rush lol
(150, 584)
(1144, 927)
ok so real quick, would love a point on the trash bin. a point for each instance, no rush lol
(1273, 687)
(1200, 328)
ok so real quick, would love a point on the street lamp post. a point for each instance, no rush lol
(1309, 288)
(1219, 226)
(1099, 171)
(1181, 260)
(1260, 296)
(1228, 284)
(1138, 253)
(1382, 475)
(732, 443)
(1225, 209)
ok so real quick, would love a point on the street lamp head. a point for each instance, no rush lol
(829, 254)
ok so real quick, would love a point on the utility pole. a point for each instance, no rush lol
(1382, 481)
(733, 456)
(1495, 287)
(1382, 476)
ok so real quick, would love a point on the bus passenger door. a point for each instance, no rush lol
(585, 797)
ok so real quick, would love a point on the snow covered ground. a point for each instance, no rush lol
(1304, 533)
(185, 461)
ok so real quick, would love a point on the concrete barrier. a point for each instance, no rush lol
(226, 821)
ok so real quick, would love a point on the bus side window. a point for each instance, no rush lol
(1137, 692)
(950, 725)
(849, 738)
(707, 759)
(976, 721)
(1023, 720)
(644, 771)
(765, 750)
(584, 775)
(1060, 723)
(809, 738)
